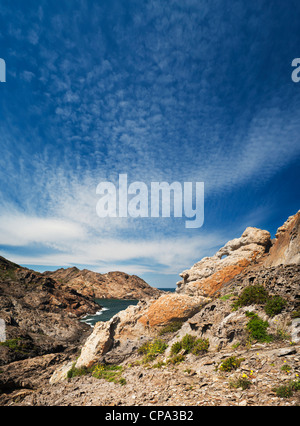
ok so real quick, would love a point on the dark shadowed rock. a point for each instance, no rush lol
(41, 315)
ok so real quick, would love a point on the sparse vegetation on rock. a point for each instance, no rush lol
(184, 348)
(190, 344)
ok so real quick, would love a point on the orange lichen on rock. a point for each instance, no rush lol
(171, 307)
(209, 286)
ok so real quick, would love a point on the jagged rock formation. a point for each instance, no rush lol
(255, 246)
(113, 285)
(245, 255)
(211, 273)
(41, 315)
(223, 326)
(285, 249)
(116, 339)
(42, 311)
(250, 260)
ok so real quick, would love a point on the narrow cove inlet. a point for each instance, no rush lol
(110, 307)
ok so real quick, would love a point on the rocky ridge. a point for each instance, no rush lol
(211, 273)
(285, 249)
(113, 285)
(208, 292)
(247, 254)
(41, 315)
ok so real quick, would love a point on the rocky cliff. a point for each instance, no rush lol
(241, 262)
(42, 310)
(41, 314)
(200, 345)
(254, 247)
(113, 285)
(208, 275)
(285, 248)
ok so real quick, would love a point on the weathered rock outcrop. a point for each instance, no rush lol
(113, 285)
(286, 247)
(116, 339)
(243, 265)
(42, 311)
(254, 247)
(222, 326)
(170, 308)
(195, 382)
(41, 315)
(206, 277)
(249, 261)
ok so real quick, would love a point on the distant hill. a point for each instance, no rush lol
(113, 285)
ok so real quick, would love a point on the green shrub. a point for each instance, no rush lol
(231, 363)
(8, 274)
(251, 295)
(176, 359)
(201, 346)
(13, 344)
(226, 296)
(111, 373)
(17, 345)
(75, 372)
(158, 346)
(281, 335)
(274, 306)
(159, 364)
(287, 368)
(188, 343)
(176, 348)
(286, 391)
(152, 349)
(155, 347)
(241, 382)
(171, 328)
(295, 385)
(142, 350)
(257, 328)
(295, 313)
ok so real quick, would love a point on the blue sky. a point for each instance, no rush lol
(188, 91)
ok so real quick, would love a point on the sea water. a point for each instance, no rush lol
(111, 307)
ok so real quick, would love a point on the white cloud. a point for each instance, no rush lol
(27, 76)
(75, 245)
(126, 115)
(20, 230)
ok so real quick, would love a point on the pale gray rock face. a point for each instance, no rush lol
(117, 337)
